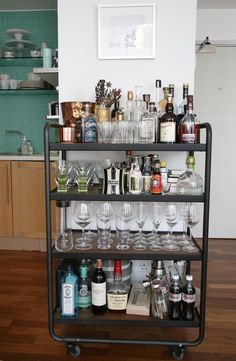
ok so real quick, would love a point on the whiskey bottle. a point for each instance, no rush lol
(172, 92)
(188, 126)
(99, 305)
(182, 108)
(163, 101)
(117, 292)
(167, 124)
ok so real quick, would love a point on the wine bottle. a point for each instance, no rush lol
(99, 305)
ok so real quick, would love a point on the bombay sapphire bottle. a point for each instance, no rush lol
(69, 294)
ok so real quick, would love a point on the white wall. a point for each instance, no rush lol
(80, 69)
(215, 103)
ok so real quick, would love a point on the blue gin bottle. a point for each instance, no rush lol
(69, 294)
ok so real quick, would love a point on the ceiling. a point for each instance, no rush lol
(52, 4)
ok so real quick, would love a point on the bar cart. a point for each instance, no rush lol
(177, 347)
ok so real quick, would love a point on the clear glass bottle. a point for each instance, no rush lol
(188, 127)
(147, 125)
(168, 122)
(84, 287)
(190, 182)
(130, 106)
(138, 111)
(117, 291)
(135, 180)
(158, 109)
(146, 175)
(127, 168)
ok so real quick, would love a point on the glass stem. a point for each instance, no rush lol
(83, 235)
(140, 234)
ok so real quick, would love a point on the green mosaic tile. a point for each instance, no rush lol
(25, 110)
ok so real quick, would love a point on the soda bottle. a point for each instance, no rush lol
(175, 298)
(188, 297)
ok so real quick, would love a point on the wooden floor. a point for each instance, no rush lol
(23, 314)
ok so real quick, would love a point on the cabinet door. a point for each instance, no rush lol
(29, 199)
(6, 228)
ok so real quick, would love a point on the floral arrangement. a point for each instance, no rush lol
(105, 94)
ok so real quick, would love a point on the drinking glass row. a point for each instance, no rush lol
(126, 215)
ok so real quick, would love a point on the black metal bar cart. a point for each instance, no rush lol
(176, 346)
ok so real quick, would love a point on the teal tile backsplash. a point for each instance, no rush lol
(25, 110)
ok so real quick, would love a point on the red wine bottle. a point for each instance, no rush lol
(99, 304)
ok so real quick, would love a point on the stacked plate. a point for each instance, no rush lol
(18, 41)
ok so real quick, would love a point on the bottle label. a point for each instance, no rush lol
(156, 185)
(175, 297)
(134, 184)
(68, 299)
(84, 297)
(168, 132)
(90, 130)
(117, 302)
(146, 183)
(188, 298)
(99, 294)
(188, 138)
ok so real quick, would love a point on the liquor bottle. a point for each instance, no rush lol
(127, 168)
(79, 130)
(84, 287)
(172, 92)
(175, 299)
(138, 111)
(188, 127)
(146, 175)
(156, 184)
(146, 100)
(117, 292)
(182, 108)
(147, 125)
(135, 180)
(168, 123)
(99, 305)
(190, 182)
(158, 109)
(130, 106)
(154, 159)
(90, 125)
(69, 294)
(115, 110)
(163, 101)
(188, 298)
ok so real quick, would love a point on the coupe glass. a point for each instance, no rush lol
(156, 218)
(83, 217)
(62, 171)
(140, 217)
(192, 217)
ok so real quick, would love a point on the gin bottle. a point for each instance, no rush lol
(84, 288)
(69, 294)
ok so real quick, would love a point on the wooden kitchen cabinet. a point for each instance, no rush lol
(29, 199)
(6, 217)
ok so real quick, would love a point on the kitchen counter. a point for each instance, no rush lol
(34, 157)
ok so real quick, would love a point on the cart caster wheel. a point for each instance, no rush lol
(73, 349)
(178, 352)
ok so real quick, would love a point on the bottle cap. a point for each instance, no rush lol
(158, 83)
(130, 95)
(146, 97)
(117, 267)
(99, 263)
(120, 115)
(189, 278)
(190, 160)
(129, 152)
(185, 85)
(163, 164)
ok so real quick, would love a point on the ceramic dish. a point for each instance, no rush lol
(19, 44)
(17, 33)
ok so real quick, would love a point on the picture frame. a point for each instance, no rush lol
(126, 31)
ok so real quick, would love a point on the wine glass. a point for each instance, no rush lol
(171, 217)
(124, 216)
(104, 217)
(141, 216)
(83, 218)
(183, 238)
(156, 218)
(192, 217)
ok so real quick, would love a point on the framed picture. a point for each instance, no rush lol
(126, 31)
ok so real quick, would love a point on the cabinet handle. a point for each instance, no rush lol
(8, 182)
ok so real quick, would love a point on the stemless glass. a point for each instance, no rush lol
(141, 216)
(62, 172)
(192, 217)
(83, 218)
(156, 218)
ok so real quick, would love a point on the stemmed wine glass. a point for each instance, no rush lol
(183, 237)
(141, 216)
(171, 217)
(83, 218)
(104, 217)
(156, 218)
(123, 218)
(191, 217)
